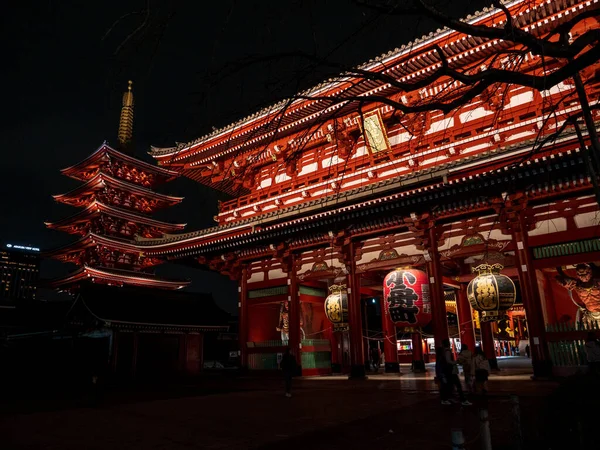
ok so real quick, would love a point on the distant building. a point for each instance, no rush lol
(19, 272)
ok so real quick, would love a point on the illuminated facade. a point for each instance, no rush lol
(116, 199)
(19, 272)
(324, 195)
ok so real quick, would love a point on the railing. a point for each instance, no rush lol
(572, 326)
(263, 361)
(568, 353)
(316, 360)
(267, 360)
(272, 343)
(566, 343)
(316, 342)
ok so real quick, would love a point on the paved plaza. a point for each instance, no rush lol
(384, 411)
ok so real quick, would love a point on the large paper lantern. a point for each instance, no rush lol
(406, 297)
(491, 293)
(336, 307)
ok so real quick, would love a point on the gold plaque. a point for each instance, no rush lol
(375, 133)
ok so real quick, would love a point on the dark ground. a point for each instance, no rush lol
(325, 413)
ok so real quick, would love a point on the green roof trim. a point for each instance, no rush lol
(268, 292)
(307, 290)
(567, 248)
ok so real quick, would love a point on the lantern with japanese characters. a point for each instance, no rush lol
(336, 307)
(491, 293)
(406, 298)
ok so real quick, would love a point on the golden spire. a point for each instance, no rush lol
(126, 122)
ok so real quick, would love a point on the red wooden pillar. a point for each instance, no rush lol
(551, 315)
(294, 300)
(487, 344)
(243, 318)
(336, 346)
(200, 351)
(134, 355)
(465, 318)
(357, 352)
(115, 351)
(438, 304)
(542, 365)
(390, 346)
(183, 351)
(418, 363)
(520, 328)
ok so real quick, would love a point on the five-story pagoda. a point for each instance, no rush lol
(117, 199)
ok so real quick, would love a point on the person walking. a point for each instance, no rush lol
(481, 371)
(440, 375)
(527, 351)
(375, 355)
(449, 368)
(288, 366)
(465, 359)
(592, 352)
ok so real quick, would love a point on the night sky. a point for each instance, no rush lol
(66, 64)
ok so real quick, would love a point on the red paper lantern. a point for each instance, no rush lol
(406, 298)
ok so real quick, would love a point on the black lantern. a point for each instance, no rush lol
(336, 307)
(491, 293)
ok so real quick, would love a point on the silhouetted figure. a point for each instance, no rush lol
(527, 350)
(592, 352)
(448, 369)
(375, 357)
(288, 366)
(465, 359)
(481, 371)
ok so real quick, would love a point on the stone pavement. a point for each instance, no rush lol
(324, 413)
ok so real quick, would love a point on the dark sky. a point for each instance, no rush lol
(64, 77)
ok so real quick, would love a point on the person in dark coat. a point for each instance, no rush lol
(288, 366)
(449, 369)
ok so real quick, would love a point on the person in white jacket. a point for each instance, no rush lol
(481, 371)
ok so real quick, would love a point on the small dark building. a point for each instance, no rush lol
(146, 333)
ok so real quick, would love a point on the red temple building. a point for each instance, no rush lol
(115, 201)
(323, 195)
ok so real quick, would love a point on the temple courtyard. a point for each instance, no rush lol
(383, 412)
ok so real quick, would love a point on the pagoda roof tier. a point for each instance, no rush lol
(91, 240)
(84, 194)
(90, 166)
(117, 277)
(96, 208)
(249, 137)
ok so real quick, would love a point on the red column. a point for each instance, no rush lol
(487, 343)
(134, 355)
(551, 315)
(438, 304)
(542, 365)
(243, 318)
(357, 353)
(294, 299)
(115, 351)
(336, 360)
(465, 318)
(418, 363)
(390, 347)
(200, 352)
(520, 328)
(183, 352)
